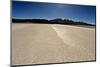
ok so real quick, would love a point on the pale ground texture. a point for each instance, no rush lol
(51, 43)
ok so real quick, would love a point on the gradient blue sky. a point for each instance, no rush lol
(35, 10)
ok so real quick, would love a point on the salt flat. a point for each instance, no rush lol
(51, 43)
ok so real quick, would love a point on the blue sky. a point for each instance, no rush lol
(36, 10)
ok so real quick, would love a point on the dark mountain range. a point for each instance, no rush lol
(54, 21)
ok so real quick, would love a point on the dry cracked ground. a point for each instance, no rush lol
(51, 43)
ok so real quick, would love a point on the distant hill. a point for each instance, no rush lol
(54, 21)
